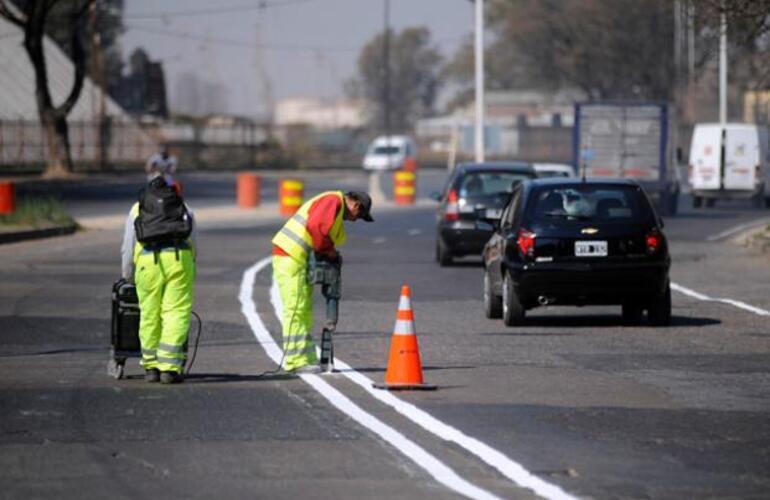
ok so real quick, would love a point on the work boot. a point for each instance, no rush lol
(151, 375)
(171, 378)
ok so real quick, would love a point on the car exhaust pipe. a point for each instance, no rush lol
(544, 301)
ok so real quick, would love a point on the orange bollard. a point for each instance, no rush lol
(7, 198)
(404, 366)
(404, 187)
(249, 190)
(290, 195)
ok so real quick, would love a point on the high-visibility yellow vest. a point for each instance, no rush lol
(294, 238)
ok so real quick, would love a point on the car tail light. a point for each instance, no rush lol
(452, 211)
(526, 243)
(654, 242)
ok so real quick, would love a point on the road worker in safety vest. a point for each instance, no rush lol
(164, 272)
(316, 227)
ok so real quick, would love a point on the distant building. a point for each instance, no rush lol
(319, 113)
(143, 90)
(197, 97)
(517, 124)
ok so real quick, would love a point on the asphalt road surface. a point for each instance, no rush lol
(572, 404)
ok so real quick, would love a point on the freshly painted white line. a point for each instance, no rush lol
(507, 467)
(737, 229)
(433, 466)
(732, 302)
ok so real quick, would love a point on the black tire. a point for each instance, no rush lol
(513, 311)
(632, 313)
(710, 202)
(767, 202)
(659, 313)
(697, 201)
(443, 255)
(493, 304)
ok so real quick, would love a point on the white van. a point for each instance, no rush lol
(733, 162)
(389, 152)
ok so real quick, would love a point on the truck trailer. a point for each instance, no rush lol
(629, 140)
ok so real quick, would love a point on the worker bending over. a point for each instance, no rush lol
(316, 227)
(158, 254)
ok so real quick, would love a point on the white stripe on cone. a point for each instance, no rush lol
(403, 327)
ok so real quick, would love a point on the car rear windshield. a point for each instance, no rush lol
(476, 184)
(589, 202)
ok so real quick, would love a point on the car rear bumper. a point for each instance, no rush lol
(462, 237)
(578, 284)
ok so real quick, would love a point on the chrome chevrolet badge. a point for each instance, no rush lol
(589, 230)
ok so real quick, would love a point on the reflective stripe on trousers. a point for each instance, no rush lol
(297, 317)
(165, 292)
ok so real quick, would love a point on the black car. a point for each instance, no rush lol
(578, 242)
(474, 191)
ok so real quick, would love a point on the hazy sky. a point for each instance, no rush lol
(309, 47)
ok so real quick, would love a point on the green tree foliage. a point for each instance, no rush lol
(414, 77)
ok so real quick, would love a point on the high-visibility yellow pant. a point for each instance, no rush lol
(165, 292)
(297, 317)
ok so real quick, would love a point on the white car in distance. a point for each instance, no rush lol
(389, 152)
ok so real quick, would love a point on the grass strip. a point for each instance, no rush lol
(37, 212)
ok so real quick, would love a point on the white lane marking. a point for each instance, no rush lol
(433, 466)
(732, 302)
(507, 467)
(414, 232)
(737, 229)
(379, 241)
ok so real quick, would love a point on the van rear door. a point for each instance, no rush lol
(741, 158)
(705, 153)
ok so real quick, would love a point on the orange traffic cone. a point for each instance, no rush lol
(404, 367)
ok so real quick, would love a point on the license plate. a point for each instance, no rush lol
(590, 249)
(493, 213)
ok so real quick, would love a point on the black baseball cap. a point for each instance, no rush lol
(366, 203)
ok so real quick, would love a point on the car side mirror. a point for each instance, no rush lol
(482, 225)
(435, 196)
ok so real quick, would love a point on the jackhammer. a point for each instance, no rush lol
(327, 273)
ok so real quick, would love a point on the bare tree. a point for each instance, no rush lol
(414, 79)
(53, 117)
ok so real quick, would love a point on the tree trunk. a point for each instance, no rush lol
(53, 118)
(58, 144)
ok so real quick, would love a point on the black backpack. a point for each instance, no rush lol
(163, 217)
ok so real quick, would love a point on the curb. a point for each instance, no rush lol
(34, 234)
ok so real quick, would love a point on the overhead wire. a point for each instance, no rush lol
(259, 5)
(237, 43)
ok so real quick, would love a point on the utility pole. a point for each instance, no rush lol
(386, 69)
(479, 70)
(722, 66)
(99, 80)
